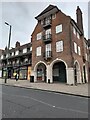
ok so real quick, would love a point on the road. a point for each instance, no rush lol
(29, 103)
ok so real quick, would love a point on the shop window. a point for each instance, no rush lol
(23, 73)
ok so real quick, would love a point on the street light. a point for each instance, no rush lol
(8, 50)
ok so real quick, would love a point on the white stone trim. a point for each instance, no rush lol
(70, 76)
(79, 80)
(58, 60)
(35, 67)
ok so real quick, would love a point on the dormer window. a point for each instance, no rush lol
(7, 56)
(12, 53)
(1, 56)
(24, 50)
(17, 52)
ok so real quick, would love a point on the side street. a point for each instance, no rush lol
(77, 90)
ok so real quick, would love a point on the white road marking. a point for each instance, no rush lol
(62, 108)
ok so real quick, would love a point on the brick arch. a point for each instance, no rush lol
(58, 60)
(62, 70)
(35, 67)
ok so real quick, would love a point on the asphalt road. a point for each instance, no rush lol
(28, 103)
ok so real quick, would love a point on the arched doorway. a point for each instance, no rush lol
(41, 72)
(76, 72)
(59, 72)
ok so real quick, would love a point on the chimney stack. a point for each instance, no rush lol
(17, 44)
(79, 18)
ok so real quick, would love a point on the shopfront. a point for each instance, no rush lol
(23, 72)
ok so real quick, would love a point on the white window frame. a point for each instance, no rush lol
(74, 30)
(38, 51)
(39, 36)
(17, 52)
(2, 56)
(79, 50)
(59, 28)
(48, 50)
(53, 16)
(7, 55)
(26, 59)
(78, 35)
(59, 46)
(12, 53)
(75, 47)
(30, 48)
(17, 61)
(86, 56)
(24, 50)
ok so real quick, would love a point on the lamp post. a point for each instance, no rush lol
(8, 51)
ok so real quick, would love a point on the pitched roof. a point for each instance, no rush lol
(50, 7)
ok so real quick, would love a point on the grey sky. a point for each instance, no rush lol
(21, 15)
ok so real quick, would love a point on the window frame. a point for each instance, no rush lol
(39, 36)
(59, 46)
(59, 27)
(38, 51)
(75, 48)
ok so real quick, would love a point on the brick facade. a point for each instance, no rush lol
(68, 55)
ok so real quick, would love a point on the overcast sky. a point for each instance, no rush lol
(21, 15)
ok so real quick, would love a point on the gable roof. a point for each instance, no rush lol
(73, 22)
(50, 7)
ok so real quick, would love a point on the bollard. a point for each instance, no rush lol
(5, 80)
(48, 80)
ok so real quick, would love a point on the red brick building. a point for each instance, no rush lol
(58, 48)
(19, 61)
(89, 59)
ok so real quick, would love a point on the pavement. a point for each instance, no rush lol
(79, 90)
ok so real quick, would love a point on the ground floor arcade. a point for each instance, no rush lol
(58, 71)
